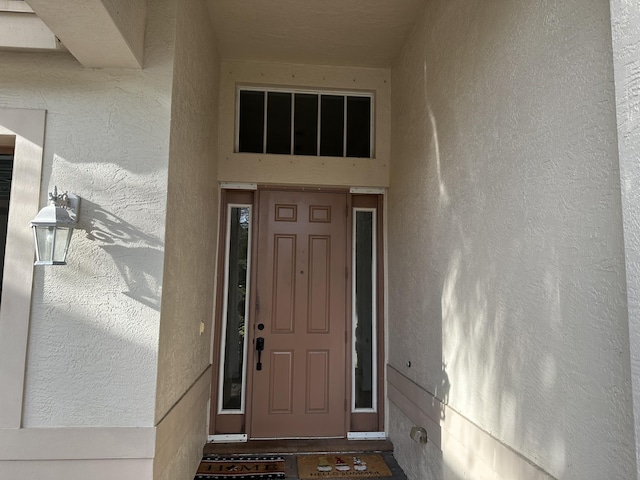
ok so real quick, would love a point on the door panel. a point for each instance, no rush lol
(317, 399)
(284, 262)
(281, 381)
(319, 286)
(301, 285)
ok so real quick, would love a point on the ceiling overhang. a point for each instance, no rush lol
(21, 29)
(98, 33)
(363, 33)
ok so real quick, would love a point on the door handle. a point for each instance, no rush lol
(259, 349)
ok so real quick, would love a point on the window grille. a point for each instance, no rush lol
(300, 122)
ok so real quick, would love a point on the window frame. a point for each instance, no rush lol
(27, 127)
(225, 307)
(374, 309)
(319, 93)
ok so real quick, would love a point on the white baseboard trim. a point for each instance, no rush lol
(366, 436)
(231, 438)
(123, 468)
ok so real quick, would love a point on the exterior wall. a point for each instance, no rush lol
(304, 170)
(191, 233)
(625, 21)
(107, 135)
(94, 327)
(25, 128)
(506, 264)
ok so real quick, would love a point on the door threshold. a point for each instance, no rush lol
(294, 438)
(366, 436)
(299, 446)
(231, 438)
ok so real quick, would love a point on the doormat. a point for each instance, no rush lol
(254, 468)
(342, 466)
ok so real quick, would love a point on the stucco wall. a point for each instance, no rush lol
(304, 170)
(625, 21)
(92, 354)
(506, 265)
(191, 241)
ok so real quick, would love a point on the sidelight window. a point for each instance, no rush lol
(283, 122)
(235, 310)
(364, 351)
(6, 174)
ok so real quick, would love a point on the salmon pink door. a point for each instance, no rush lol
(298, 378)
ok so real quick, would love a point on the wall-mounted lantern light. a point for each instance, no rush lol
(53, 226)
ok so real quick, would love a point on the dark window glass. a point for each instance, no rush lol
(251, 124)
(306, 124)
(332, 126)
(6, 175)
(279, 123)
(236, 308)
(278, 120)
(365, 336)
(358, 126)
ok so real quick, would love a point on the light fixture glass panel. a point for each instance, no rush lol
(364, 314)
(63, 236)
(236, 309)
(45, 237)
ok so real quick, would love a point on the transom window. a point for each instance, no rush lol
(287, 122)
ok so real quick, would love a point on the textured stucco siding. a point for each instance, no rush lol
(92, 354)
(191, 242)
(506, 263)
(625, 22)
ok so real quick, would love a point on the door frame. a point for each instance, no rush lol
(237, 426)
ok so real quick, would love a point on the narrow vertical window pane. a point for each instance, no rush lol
(364, 359)
(306, 124)
(6, 175)
(234, 341)
(279, 123)
(358, 127)
(251, 122)
(332, 126)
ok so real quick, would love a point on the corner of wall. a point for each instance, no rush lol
(184, 373)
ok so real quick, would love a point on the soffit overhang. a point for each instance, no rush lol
(98, 33)
(362, 33)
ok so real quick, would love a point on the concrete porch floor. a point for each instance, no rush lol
(290, 449)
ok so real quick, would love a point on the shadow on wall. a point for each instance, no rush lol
(442, 392)
(491, 350)
(504, 249)
(85, 372)
(138, 256)
(417, 194)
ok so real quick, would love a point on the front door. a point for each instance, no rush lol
(298, 390)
